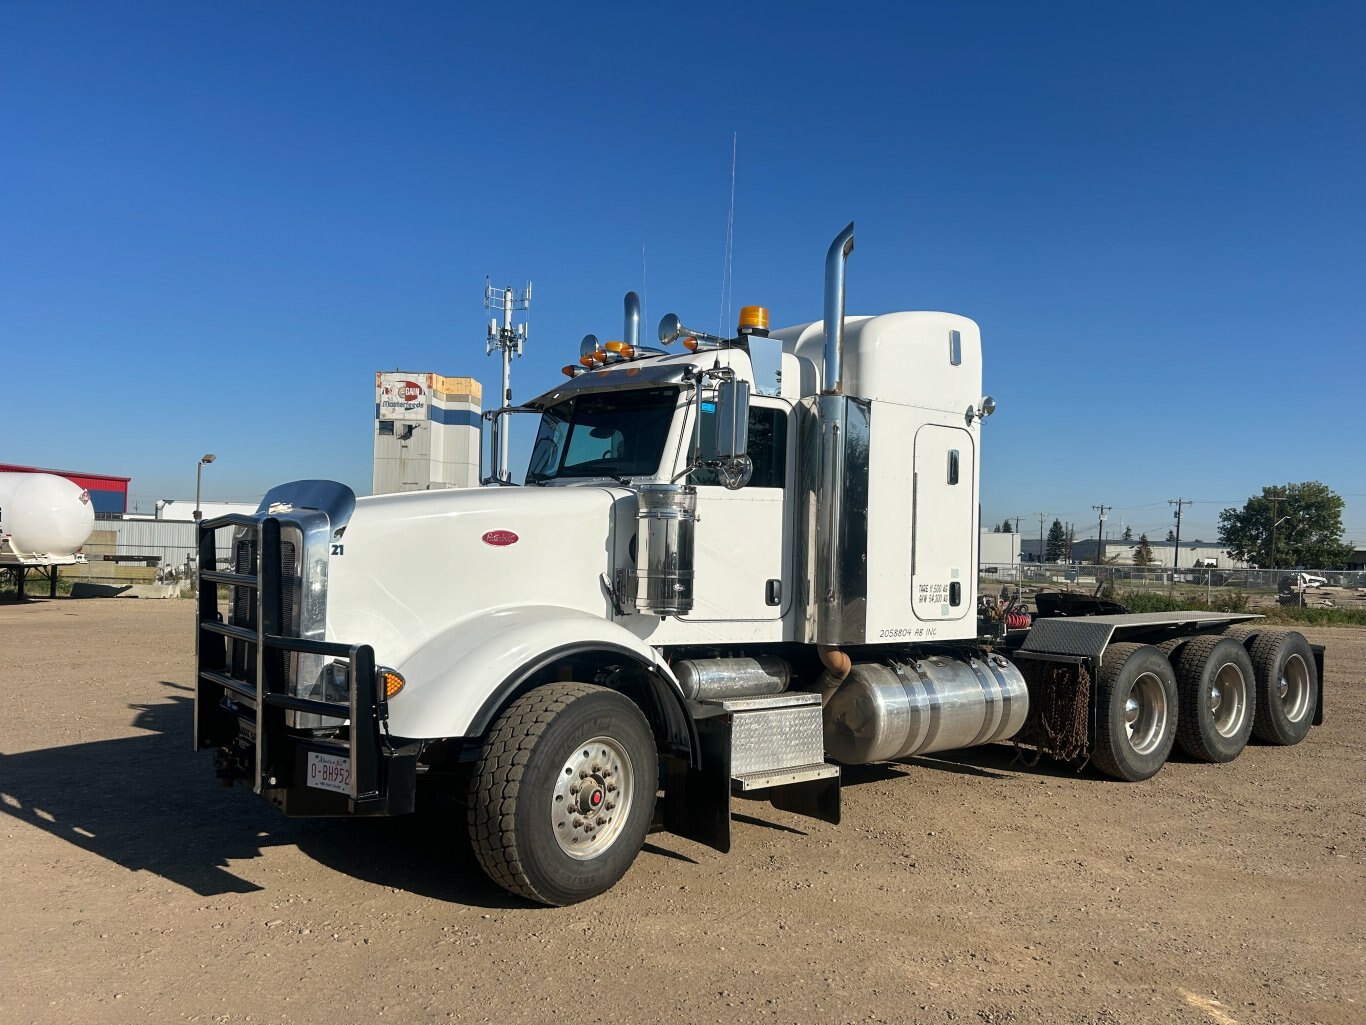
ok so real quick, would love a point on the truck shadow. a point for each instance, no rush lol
(998, 761)
(150, 804)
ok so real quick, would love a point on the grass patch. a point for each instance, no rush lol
(37, 587)
(1235, 601)
(1314, 617)
(1159, 601)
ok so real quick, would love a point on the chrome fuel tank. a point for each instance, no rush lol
(882, 712)
(712, 679)
(662, 583)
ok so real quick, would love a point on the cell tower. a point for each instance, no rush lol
(508, 339)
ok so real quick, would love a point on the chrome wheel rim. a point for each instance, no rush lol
(592, 798)
(1145, 713)
(1293, 687)
(1228, 700)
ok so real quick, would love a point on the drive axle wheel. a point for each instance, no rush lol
(1287, 686)
(1216, 684)
(563, 793)
(1136, 713)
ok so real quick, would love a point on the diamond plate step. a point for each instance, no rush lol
(782, 777)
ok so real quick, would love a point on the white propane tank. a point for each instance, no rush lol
(44, 517)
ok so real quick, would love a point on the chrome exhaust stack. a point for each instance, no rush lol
(835, 260)
(631, 329)
(833, 482)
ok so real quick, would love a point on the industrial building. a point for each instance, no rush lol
(108, 494)
(1193, 553)
(426, 432)
(998, 549)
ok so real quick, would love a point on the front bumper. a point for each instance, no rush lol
(291, 781)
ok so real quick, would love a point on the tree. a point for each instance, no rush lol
(1056, 545)
(1007, 527)
(996, 529)
(1143, 555)
(1308, 527)
(1171, 534)
(1128, 533)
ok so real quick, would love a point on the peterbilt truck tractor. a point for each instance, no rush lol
(734, 566)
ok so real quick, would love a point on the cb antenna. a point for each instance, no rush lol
(508, 339)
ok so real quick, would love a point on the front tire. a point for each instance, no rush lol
(1136, 717)
(563, 793)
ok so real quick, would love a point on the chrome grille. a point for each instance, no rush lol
(289, 580)
(244, 608)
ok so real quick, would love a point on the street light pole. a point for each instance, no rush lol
(208, 457)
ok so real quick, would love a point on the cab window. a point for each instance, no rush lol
(767, 447)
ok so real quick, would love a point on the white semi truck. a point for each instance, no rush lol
(731, 569)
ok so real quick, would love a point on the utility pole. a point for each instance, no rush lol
(1100, 533)
(1180, 503)
(1017, 520)
(1042, 517)
(1274, 495)
(508, 340)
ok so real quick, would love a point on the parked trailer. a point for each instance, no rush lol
(44, 521)
(731, 570)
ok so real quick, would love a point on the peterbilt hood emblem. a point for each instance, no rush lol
(499, 538)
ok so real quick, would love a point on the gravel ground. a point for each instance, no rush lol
(957, 889)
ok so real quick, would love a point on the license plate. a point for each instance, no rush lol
(247, 731)
(329, 772)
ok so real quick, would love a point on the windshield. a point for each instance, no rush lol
(607, 434)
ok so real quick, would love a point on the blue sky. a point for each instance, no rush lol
(218, 220)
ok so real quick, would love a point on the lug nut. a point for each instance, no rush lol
(610, 805)
(583, 774)
(611, 788)
(602, 821)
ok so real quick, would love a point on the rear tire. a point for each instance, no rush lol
(1242, 634)
(1137, 712)
(1216, 687)
(563, 793)
(1287, 687)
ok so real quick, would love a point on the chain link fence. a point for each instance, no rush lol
(1257, 586)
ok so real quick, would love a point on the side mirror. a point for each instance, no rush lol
(670, 327)
(732, 420)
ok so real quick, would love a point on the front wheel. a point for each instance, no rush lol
(563, 793)
(1136, 717)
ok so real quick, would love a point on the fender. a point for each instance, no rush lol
(460, 678)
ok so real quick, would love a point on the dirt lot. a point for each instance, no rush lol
(134, 888)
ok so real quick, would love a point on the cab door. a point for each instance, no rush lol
(742, 563)
(943, 563)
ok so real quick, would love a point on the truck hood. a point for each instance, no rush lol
(409, 566)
